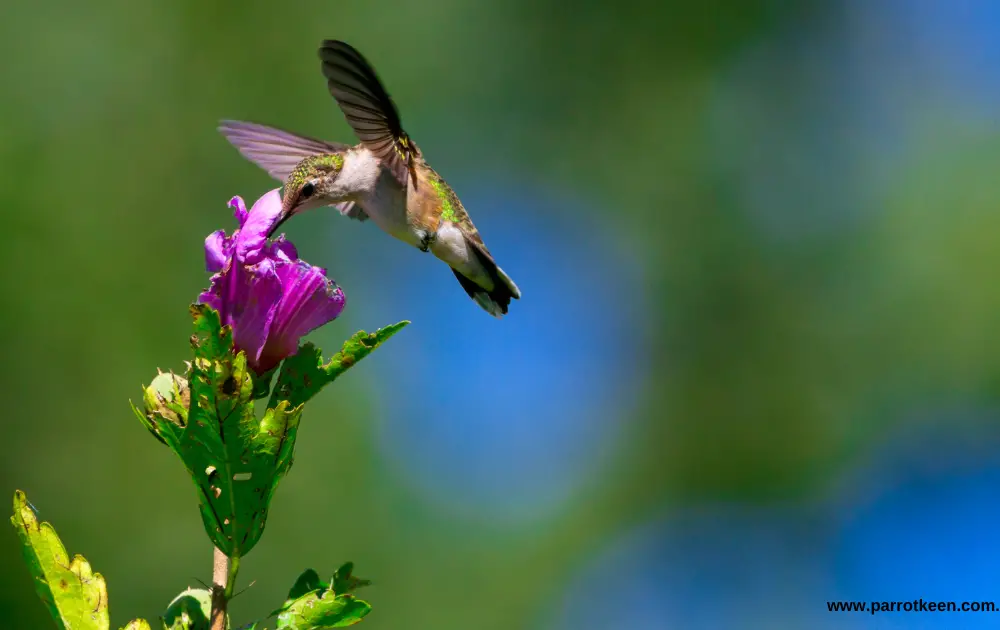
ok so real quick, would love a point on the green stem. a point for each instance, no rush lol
(234, 567)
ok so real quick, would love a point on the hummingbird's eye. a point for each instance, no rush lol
(307, 191)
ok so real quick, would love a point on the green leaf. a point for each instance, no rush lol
(76, 597)
(235, 460)
(262, 384)
(319, 610)
(344, 582)
(191, 610)
(314, 604)
(304, 374)
(308, 581)
(138, 624)
(208, 419)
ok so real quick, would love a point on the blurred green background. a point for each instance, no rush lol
(756, 242)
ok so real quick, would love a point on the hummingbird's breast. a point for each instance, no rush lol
(383, 199)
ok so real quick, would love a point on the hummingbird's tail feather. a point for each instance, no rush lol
(494, 302)
(495, 305)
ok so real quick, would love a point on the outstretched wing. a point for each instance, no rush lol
(368, 108)
(278, 152)
(275, 150)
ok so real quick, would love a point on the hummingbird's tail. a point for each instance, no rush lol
(494, 302)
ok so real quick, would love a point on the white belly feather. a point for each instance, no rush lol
(378, 193)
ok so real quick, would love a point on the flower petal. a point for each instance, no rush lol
(283, 250)
(240, 209)
(253, 233)
(211, 299)
(258, 299)
(309, 299)
(217, 249)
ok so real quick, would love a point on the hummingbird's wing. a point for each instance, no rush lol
(278, 152)
(275, 150)
(368, 108)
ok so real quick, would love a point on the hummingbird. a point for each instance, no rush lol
(384, 177)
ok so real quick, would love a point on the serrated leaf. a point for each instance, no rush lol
(190, 610)
(235, 460)
(76, 597)
(208, 419)
(262, 384)
(303, 375)
(138, 624)
(319, 610)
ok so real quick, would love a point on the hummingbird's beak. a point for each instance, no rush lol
(286, 213)
(281, 220)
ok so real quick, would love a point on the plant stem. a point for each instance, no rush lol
(234, 567)
(224, 571)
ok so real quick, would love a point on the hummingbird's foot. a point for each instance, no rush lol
(427, 240)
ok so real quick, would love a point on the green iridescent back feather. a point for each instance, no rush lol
(451, 207)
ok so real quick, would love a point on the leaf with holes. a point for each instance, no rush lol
(208, 419)
(76, 597)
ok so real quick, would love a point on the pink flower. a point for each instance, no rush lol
(261, 288)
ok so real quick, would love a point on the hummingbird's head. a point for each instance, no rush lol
(311, 185)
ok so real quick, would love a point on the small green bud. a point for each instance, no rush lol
(166, 400)
(191, 610)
